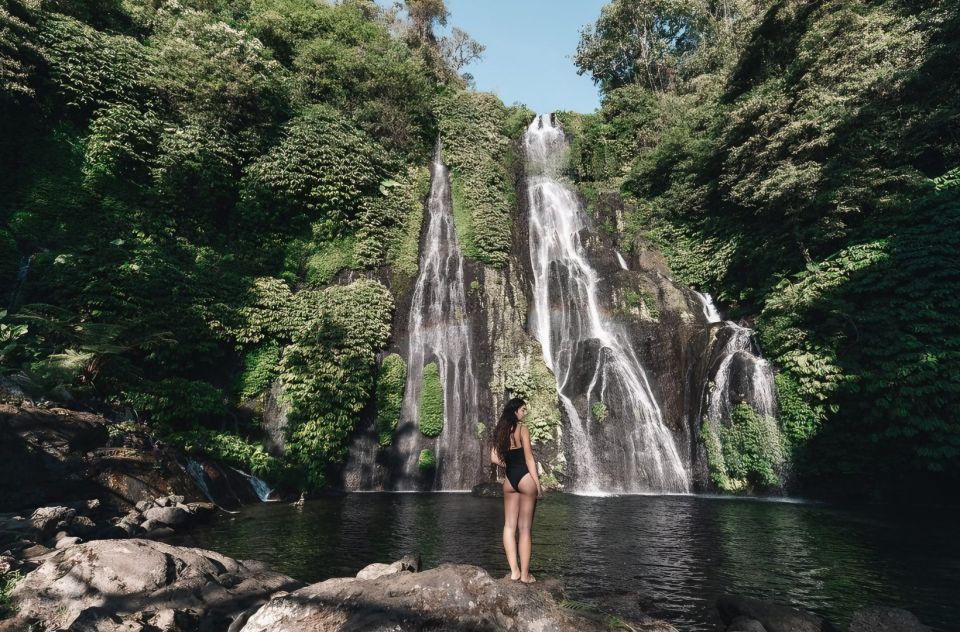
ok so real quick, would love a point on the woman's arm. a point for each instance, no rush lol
(495, 458)
(528, 457)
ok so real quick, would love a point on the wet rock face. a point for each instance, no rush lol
(745, 614)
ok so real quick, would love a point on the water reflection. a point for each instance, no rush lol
(665, 555)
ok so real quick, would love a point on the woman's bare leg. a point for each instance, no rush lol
(528, 500)
(511, 512)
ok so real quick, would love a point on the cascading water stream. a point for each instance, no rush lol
(741, 375)
(439, 331)
(591, 356)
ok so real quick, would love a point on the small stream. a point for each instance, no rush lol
(664, 555)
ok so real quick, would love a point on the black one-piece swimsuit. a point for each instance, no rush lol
(516, 466)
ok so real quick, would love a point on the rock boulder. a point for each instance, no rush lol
(449, 597)
(120, 584)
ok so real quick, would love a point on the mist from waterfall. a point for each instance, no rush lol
(632, 450)
(439, 331)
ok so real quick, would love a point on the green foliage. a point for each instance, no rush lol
(427, 460)
(398, 225)
(431, 401)
(204, 64)
(18, 51)
(8, 582)
(745, 455)
(9, 334)
(642, 41)
(120, 145)
(599, 411)
(178, 403)
(798, 420)
(391, 383)
(328, 372)
(260, 367)
(341, 57)
(90, 68)
(228, 448)
(320, 173)
(478, 152)
(330, 259)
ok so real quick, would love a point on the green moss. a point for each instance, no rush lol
(427, 460)
(481, 428)
(463, 219)
(599, 411)
(431, 401)
(405, 201)
(642, 300)
(473, 129)
(391, 381)
(260, 367)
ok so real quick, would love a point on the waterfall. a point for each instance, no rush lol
(439, 331)
(623, 262)
(259, 486)
(709, 309)
(627, 448)
(754, 384)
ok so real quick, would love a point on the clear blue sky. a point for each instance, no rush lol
(530, 46)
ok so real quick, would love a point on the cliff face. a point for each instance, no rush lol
(672, 330)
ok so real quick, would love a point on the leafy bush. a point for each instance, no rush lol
(261, 365)
(178, 403)
(320, 173)
(391, 383)
(328, 373)
(92, 69)
(747, 454)
(431, 401)
(230, 449)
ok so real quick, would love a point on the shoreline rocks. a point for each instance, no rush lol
(142, 585)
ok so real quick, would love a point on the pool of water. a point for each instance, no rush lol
(664, 555)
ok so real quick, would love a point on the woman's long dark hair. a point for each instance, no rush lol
(505, 427)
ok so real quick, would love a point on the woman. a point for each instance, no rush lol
(511, 449)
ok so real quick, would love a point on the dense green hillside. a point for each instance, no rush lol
(801, 161)
(181, 184)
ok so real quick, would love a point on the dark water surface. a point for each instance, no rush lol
(666, 555)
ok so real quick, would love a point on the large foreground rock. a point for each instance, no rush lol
(131, 584)
(449, 597)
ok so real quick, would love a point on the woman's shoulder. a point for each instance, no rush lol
(523, 427)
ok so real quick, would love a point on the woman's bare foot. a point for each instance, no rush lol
(529, 580)
(515, 576)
